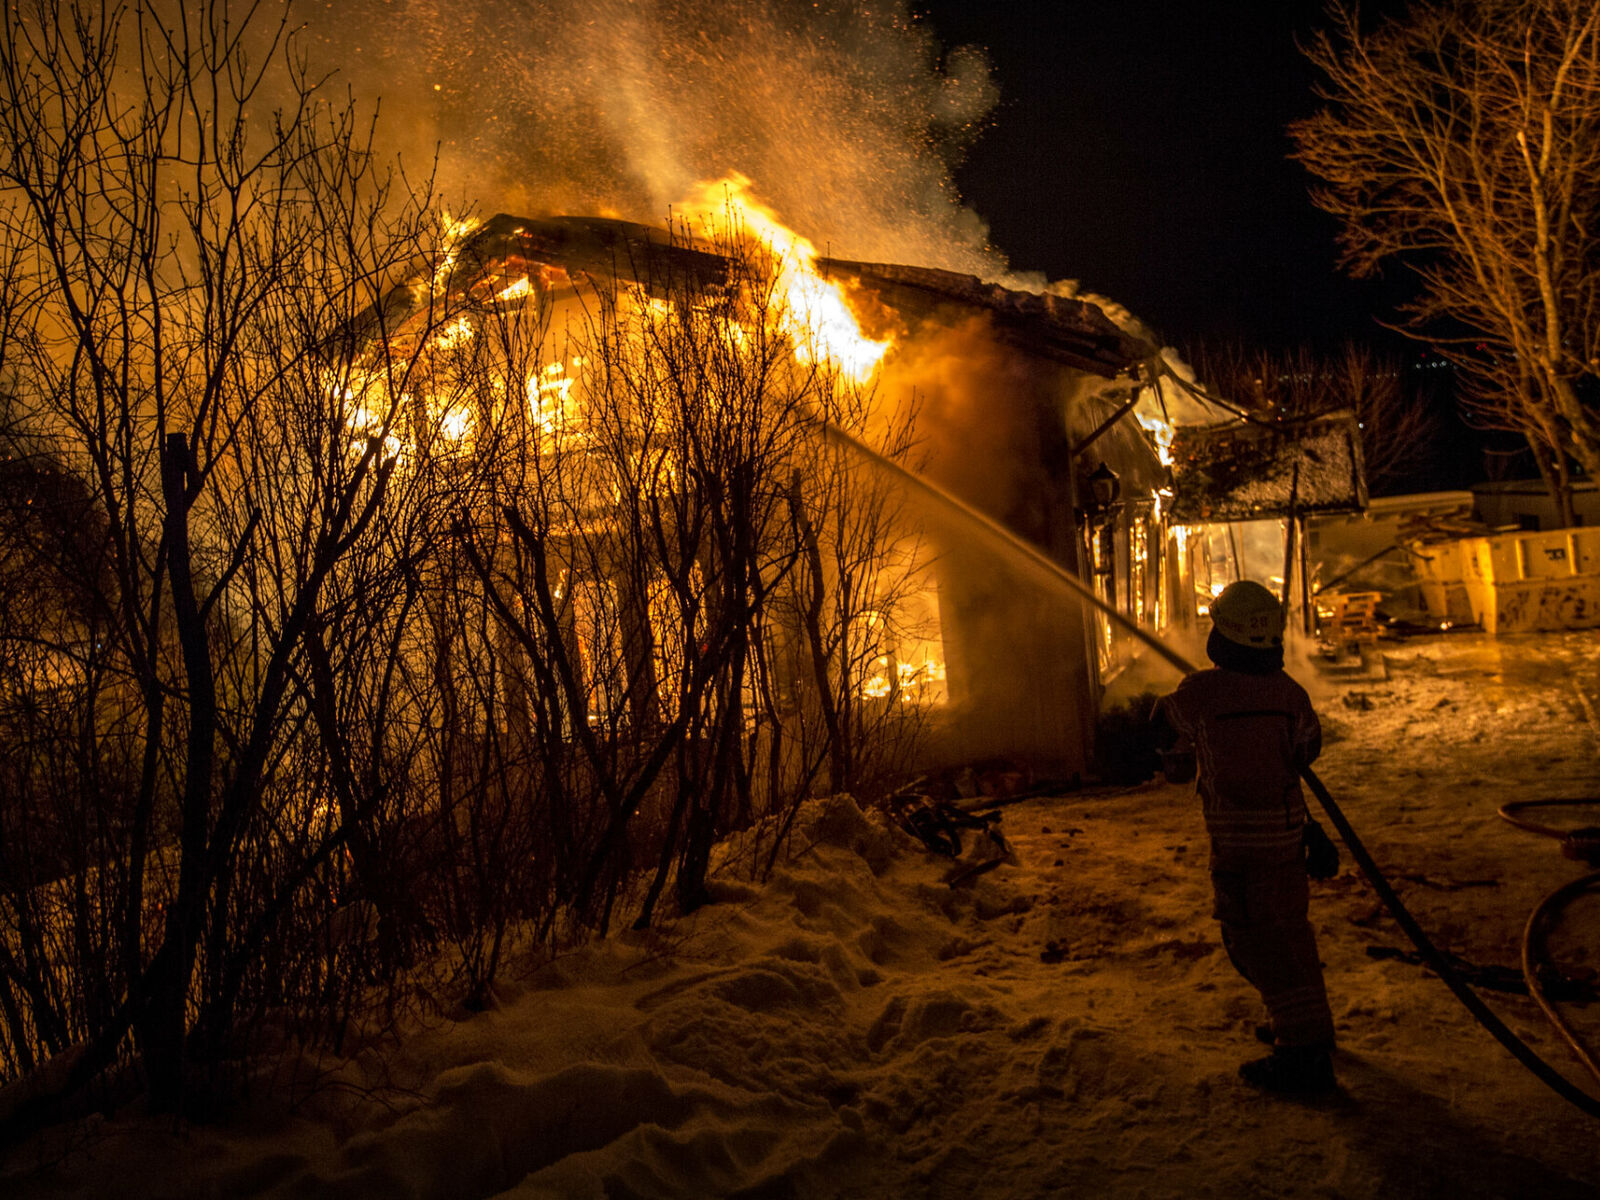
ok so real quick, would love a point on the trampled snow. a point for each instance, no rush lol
(1067, 1024)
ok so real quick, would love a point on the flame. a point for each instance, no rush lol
(365, 408)
(548, 392)
(913, 682)
(516, 291)
(367, 425)
(907, 660)
(816, 305)
(916, 675)
(453, 334)
(457, 423)
(876, 686)
(453, 233)
(1160, 431)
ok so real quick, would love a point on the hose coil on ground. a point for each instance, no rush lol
(1583, 845)
(1440, 965)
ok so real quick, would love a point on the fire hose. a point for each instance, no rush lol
(1436, 961)
(1581, 844)
(1441, 966)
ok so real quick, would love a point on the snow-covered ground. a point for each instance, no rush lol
(1065, 1025)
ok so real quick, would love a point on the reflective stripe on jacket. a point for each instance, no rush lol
(1251, 734)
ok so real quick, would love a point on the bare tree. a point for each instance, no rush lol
(858, 605)
(357, 633)
(1463, 141)
(680, 569)
(642, 540)
(183, 256)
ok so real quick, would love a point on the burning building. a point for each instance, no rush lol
(895, 618)
(1244, 491)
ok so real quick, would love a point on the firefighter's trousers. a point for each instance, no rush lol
(1268, 937)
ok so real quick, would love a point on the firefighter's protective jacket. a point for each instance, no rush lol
(1251, 735)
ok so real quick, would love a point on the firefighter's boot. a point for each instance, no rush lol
(1293, 1071)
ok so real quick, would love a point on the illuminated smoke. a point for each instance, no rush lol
(848, 117)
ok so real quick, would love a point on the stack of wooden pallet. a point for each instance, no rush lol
(1348, 620)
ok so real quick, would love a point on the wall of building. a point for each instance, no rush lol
(1526, 505)
(1021, 683)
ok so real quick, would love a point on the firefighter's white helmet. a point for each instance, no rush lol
(1248, 615)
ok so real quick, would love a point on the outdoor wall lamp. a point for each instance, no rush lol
(1104, 488)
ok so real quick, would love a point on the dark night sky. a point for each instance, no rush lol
(1140, 148)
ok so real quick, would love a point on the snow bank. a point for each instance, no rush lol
(1067, 1024)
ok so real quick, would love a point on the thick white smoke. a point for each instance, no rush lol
(847, 116)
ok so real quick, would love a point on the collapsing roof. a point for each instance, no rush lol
(1069, 331)
(1241, 471)
(593, 246)
(561, 251)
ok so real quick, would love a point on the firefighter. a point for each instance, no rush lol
(1251, 728)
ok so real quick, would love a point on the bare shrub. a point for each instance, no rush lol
(366, 624)
(180, 277)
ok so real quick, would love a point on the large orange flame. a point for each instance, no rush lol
(826, 326)
(453, 234)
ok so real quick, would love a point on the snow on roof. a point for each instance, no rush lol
(1241, 471)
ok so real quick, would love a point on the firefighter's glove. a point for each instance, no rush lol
(1322, 855)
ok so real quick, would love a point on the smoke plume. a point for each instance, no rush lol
(847, 116)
